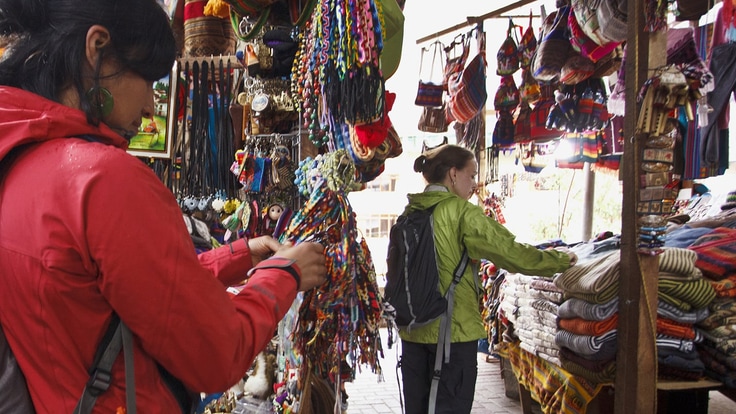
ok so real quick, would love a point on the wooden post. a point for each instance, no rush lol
(636, 360)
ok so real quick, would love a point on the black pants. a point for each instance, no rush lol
(457, 382)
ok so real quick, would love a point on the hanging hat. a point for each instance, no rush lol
(393, 37)
(373, 134)
(730, 201)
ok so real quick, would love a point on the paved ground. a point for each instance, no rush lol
(369, 396)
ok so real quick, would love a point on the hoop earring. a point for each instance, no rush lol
(453, 183)
(101, 101)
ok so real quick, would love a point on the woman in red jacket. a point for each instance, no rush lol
(88, 231)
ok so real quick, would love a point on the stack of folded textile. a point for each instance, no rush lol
(716, 252)
(530, 303)
(588, 318)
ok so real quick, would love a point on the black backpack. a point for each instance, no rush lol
(412, 286)
(412, 278)
(14, 389)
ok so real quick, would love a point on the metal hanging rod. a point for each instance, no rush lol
(472, 20)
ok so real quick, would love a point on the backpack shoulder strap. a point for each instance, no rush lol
(117, 337)
(444, 338)
(16, 398)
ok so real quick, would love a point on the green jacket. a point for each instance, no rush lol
(458, 223)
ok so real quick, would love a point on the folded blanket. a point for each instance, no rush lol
(670, 311)
(545, 284)
(592, 277)
(608, 374)
(545, 306)
(716, 253)
(725, 287)
(665, 341)
(578, 308)
(718, 318)
(680, 363)
(676, 260)
(710, 362)
(601, 297)
(683, 237)
(595, 365)
(675, 329)
(727, 360)
(724, 331)
(725, 304)
(696, 293)
(600, 347)
(581, 326)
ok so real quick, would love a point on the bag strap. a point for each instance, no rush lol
(437, 49)
(445, 335)
(117, 336)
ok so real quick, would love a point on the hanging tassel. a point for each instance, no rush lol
(217, 8)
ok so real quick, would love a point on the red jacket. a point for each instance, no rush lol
(85, 229)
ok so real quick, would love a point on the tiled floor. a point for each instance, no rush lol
(368, 395)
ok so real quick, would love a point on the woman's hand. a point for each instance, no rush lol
(573, 257)
(310, 258)
(262, 248)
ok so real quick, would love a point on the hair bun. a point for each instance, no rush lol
(419, 163)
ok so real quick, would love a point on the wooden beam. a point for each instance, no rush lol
(472, 20)
(636, 360)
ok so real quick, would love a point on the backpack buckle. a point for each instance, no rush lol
(99, 382)
(436, 374)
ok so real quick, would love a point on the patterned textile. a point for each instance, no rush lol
(578, 308)
(680, 276)
(598, 347)
(684, 364)
(589, 364)
(684, 236)
(725, 331)
(676, 329)
(545, 284)
(602, 297)
(592, 277)
(676, 314)
(725, 288)
(697, 293)
(606, 375)
(717, 253)
(665, 341)
(712, 363)
(555, 389)
(581, 326)
(716, 319)
(727, 346)
(545, 306)
(678, 261)
(729, 361)
(723, 304)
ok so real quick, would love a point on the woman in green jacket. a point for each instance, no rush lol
(451, 172)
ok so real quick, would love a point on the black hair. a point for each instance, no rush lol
(46, 39)
(436, 162)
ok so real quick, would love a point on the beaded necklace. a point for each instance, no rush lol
(338, 77)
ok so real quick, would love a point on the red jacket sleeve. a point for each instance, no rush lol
(174, 301)
(229, 263)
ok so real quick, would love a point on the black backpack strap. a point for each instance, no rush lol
(117, 336)
(444, 339)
